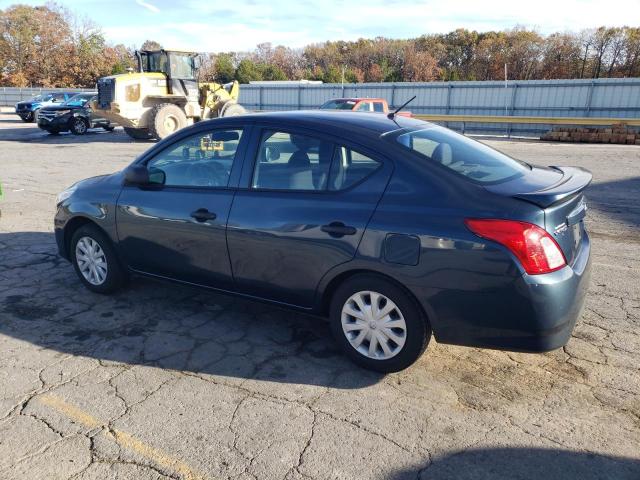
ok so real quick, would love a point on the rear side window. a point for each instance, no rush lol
(464, 156)
(289, 161)
(349, 167)
(378, 107)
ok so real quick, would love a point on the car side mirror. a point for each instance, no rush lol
(136, 175)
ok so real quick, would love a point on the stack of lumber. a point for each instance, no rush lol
(618, 133)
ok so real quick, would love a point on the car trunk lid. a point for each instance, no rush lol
(559, 191)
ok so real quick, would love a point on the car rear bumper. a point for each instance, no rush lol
(536, 313)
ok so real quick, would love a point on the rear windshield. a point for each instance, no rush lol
(464, 156)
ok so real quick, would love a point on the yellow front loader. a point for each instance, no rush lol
(164, 95)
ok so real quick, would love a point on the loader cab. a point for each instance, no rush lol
(181, 69)
(174, 64)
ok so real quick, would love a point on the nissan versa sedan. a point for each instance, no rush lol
(393, 228)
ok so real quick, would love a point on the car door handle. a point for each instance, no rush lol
(202, 215)
(338, 229)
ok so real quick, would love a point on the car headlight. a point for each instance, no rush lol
(59, 113)
(63, 195)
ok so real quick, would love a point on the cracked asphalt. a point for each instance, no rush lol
(163, 381)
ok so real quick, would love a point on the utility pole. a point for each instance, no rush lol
(506, 96)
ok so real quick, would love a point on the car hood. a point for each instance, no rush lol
(115, 178)
(54, 108)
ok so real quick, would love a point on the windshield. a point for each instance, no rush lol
(338, 105)
(464, 156)
(181, 66)
(78, 100)
(42, 98)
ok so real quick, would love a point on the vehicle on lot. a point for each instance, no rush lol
(164, 95)
(393, 228)
(74, 115)
(362, 104)
(28, 110)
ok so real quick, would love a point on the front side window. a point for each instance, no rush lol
(289, 161)
(338, 105)
(78, 100)
(201, 160)
(464, 156)
(364, 107)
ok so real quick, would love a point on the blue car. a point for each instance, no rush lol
(27, 111)
(393, 228)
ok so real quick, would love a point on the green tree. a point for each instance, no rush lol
(224, 71)
(272, 72)
(248, 71)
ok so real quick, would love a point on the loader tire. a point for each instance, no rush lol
(232, 109)
(137, 133)
(166, 118)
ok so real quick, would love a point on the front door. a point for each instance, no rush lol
(303, 212)
(175, 228)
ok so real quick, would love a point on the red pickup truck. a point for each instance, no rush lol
(378, 105)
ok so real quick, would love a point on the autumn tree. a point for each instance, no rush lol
(150, 45)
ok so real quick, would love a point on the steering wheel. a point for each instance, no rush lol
(209, 174)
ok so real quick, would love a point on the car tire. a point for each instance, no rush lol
(95, 261)
(28, 118)
(405, 341)
(78, 126)
(166, 118)
(137, 133)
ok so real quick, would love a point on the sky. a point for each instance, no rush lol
(239, 25)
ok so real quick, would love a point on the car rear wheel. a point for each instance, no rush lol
(78, 126)
(95, 261)
(377, 324)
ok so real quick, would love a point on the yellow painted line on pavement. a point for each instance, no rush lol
(122, 438)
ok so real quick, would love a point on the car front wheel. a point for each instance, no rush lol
(377, 324)
(95, 261)
(27, 117)
(78, 126)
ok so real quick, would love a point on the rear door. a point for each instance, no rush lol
(176, 227)
(304, 207)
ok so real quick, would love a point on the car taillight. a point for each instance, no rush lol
(535, 248)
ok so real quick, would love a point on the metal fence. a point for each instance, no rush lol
(617, 98)
(612, 98)
(9, 96)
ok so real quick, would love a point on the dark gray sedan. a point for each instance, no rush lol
(392, 227)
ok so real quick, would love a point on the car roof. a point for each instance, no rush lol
(365, 123)
(355, 99)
